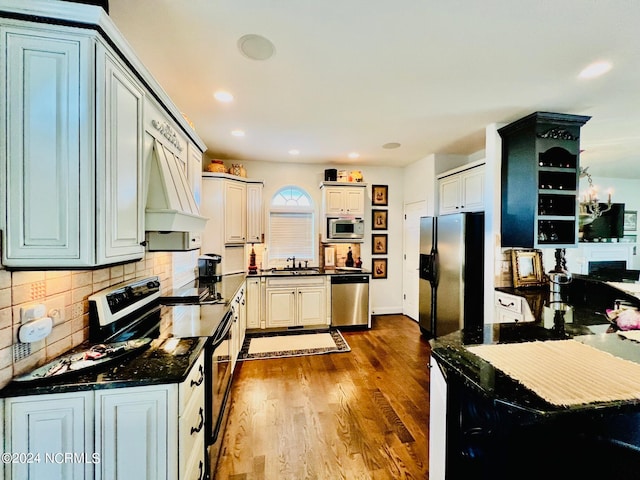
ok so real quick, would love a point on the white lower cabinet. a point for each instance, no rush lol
(511, 309)
(239, 326)
(149, 432)
(437, 422)
(253, 310)
(41, 430)
(132, 428)
(294, 302)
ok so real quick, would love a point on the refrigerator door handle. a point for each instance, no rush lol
(434, 267)
(426, 267)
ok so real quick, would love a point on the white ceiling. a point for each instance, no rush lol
(352, 75)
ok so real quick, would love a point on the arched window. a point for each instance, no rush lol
(291, 226)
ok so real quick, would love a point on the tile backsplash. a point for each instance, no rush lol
(65, 295)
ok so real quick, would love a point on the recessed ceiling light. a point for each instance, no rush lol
(354, 155)
(237, 133)
(223, 96)
(293, 151)
(595, 70)
(391, 145)
(256, 47)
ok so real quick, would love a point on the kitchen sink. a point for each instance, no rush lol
(295, 271)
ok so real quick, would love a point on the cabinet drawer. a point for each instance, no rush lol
(194, 383)
(195, 467)
(191, 429)
(296, 281)
(506, 316)
(508, 302)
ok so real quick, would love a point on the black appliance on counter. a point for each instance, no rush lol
(209, 268)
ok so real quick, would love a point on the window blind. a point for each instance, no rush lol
(291, 235)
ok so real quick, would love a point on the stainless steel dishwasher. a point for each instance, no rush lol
(350, 300)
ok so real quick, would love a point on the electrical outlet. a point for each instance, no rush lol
(505, 267)
(32, 312)
(55, 309)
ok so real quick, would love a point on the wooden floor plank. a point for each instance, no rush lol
(356, 415)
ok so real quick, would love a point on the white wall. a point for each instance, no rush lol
(386, 294)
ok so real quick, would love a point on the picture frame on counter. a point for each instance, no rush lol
(527, 268)
(380, 195)
(379, 219)
(379, 268)
(379, 243)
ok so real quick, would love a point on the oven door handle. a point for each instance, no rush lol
(223, 329)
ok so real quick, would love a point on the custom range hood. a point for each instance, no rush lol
(171, 211)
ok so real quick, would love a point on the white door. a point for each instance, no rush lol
(412, 214)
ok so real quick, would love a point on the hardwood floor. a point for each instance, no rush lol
(357, 415)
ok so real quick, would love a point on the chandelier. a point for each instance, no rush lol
(590, 207)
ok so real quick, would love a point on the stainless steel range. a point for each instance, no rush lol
(136, 310)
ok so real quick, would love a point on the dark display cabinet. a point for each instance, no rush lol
(540, 173)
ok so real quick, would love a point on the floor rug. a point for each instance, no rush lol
(292, 344)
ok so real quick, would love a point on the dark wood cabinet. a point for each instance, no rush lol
(540, 173)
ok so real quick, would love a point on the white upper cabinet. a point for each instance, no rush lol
(119, 170)
(462, 191)
(73, 128)
(235, 212)
(339, 200)
(234, 209)
(255, 231)
(72, 181)
(46, 190)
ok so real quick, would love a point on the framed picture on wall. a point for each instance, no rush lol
(630, 220)
(379, 195)
(379, 243)
(379, 268)
(379, 219)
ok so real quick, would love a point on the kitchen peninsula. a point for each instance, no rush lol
(487, 424)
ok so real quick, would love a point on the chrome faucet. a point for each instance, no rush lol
(293, 264)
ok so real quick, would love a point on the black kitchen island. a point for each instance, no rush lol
(491, 426)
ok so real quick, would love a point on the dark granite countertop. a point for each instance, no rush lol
(311, 271)
(155, 365)
(193, 291)
(588, 299)
(185, 329)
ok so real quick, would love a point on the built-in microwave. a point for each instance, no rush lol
(351, 229)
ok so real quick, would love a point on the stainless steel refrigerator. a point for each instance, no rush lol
(451, 293)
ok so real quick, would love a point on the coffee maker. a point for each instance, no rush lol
(209, 268)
